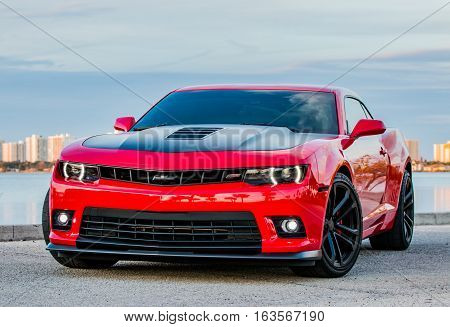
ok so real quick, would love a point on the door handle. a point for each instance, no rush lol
(383, 152)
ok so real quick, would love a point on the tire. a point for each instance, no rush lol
(69, 261)
(342, 232)
(400, 236)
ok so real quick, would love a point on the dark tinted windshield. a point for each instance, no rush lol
(313, 112)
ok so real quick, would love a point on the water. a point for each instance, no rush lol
(432, 192)
(22, 195)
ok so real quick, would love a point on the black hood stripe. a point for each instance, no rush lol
(225, 138)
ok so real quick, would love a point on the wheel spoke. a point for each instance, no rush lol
(409, 195)
(333, 251)
(342, 202)
(338, 248)
(347, 229)
(409, 223)
(408, 218)
(407, 226)
(346, 212)
(408, 229)
(346, 239)
(408, 204)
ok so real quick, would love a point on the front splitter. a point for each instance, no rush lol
(306, 258)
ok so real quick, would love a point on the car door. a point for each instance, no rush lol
(369, 161)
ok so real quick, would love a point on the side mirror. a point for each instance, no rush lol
(366, 127)
(124, 124)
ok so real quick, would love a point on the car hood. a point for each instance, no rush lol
(194, 138)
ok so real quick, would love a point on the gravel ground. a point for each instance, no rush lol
(417, 277)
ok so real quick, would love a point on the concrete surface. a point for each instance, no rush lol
(34, 232)
(417, 277)
(20, 232)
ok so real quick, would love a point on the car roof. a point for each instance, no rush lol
(288, 87)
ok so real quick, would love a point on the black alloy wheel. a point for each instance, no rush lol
(341, 241)
(342, 230)
(400, 236)
(408, 210)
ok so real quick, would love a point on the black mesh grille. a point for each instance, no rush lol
(172, 177)
(185, 231)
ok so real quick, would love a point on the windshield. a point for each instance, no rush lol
(313, 112)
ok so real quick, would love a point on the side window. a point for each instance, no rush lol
(353, 113)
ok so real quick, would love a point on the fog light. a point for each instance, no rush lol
(290, 225)
(63, 219)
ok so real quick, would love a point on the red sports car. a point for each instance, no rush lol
(286, 175)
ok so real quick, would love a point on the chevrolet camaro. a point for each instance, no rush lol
(288, 175)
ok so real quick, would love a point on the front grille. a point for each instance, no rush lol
(172, 177)
(193, 133)
(169, 231)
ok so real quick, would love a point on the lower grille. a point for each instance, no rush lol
(169, 231)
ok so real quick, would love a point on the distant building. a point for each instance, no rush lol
(13, 151)
(413, 148)
(55, 144)
(6, 152)
(35, 148)
(28, 149)
(20, 151)
(442, 152)
(42, 149)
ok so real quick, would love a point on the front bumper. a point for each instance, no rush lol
(302, 200)
(306, 258)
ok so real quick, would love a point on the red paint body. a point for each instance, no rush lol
(377, 178)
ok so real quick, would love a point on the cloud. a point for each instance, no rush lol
(181, 60)
(438, 119)
(437, 56)
(432, 55)
(70, 9)
(17, 63)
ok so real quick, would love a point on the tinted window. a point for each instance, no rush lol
(353, 113)
(313, 112)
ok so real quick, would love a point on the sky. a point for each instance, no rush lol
(153, 47)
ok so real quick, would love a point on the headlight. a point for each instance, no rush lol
(80, 172)
(275, 175)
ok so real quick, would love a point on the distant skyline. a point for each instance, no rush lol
(157, 46)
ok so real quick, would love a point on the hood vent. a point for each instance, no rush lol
(193, 133)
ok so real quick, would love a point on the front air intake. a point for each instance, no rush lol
(193, 133)
(224, 232)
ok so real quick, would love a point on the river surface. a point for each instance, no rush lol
(22, 195)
